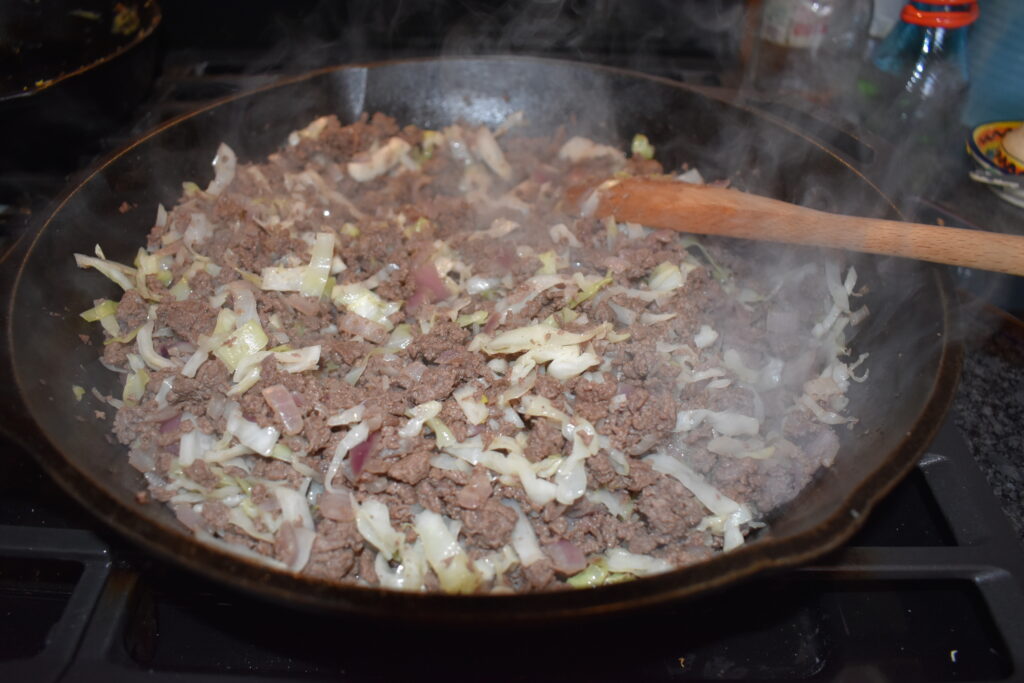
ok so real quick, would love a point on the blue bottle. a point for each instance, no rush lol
(916, 81)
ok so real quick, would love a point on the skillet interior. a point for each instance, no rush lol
(913, 363)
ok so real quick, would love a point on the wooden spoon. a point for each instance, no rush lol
(707, 210)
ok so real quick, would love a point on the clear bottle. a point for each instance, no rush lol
(810, 48)
(915, 83)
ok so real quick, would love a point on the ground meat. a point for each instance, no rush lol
(200, 473)
(576, 347)
(411, 469)
(669, 507)
(216, 514)
(132, 310)
(435, 384)
(489, 526)
(545, 439)
(189, 318)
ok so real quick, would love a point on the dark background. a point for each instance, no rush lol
(309, 33)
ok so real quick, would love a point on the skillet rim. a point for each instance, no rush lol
(236, 571)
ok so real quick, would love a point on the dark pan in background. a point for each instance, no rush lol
(70, 72)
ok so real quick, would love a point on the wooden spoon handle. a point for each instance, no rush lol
(706, 210)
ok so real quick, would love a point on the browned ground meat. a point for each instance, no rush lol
(470, 367)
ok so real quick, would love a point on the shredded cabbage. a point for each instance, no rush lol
(418, 415)
(144, 340)
(445, 555)
(364, 303)
(379, 161)
(250, 434)
(728, 512)
(622, 561)
(224, 165)
(374, 523)
(299, 360)
(355, 436)
(117, 272)
(248, 339)
(476, 412)
(727, 423)
(314, 278)
(524, 540)
(642, 147)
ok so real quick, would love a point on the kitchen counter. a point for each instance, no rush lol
(989, 404)
(989, 409)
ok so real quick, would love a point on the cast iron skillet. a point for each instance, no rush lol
(70, 71)
(914, 365)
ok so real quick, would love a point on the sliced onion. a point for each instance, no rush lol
(304, 539)
(170, 425)
(244, 301)
(524, 540)
(144, 340)
(358, 326)
(198, 231)
(624, 315)
(359, 454)
(260, 439)
(143, 461)
(336, 506)
(224, 165)
(429, 285)
(488, 149)
(566, 557)
(281, 400)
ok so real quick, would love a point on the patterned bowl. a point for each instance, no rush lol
(985, 145)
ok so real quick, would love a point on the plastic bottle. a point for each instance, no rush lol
(809, 47)
(915, 84)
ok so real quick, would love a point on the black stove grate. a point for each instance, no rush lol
(929, 590)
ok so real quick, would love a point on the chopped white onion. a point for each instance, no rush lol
(260, 439)
(224, 165)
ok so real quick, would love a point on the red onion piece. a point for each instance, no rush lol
(336, 506)
(280, 399)
(358, 455)
(492, 323)
(359, 326)
(506, 256)
(168, 426)
(417, 299)
(447, 356)
(566, 557)
(429, 284)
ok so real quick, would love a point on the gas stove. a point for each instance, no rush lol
(931, 589)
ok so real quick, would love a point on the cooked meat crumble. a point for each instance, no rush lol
(393, 356)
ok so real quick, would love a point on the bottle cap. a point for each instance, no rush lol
(942, 18)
